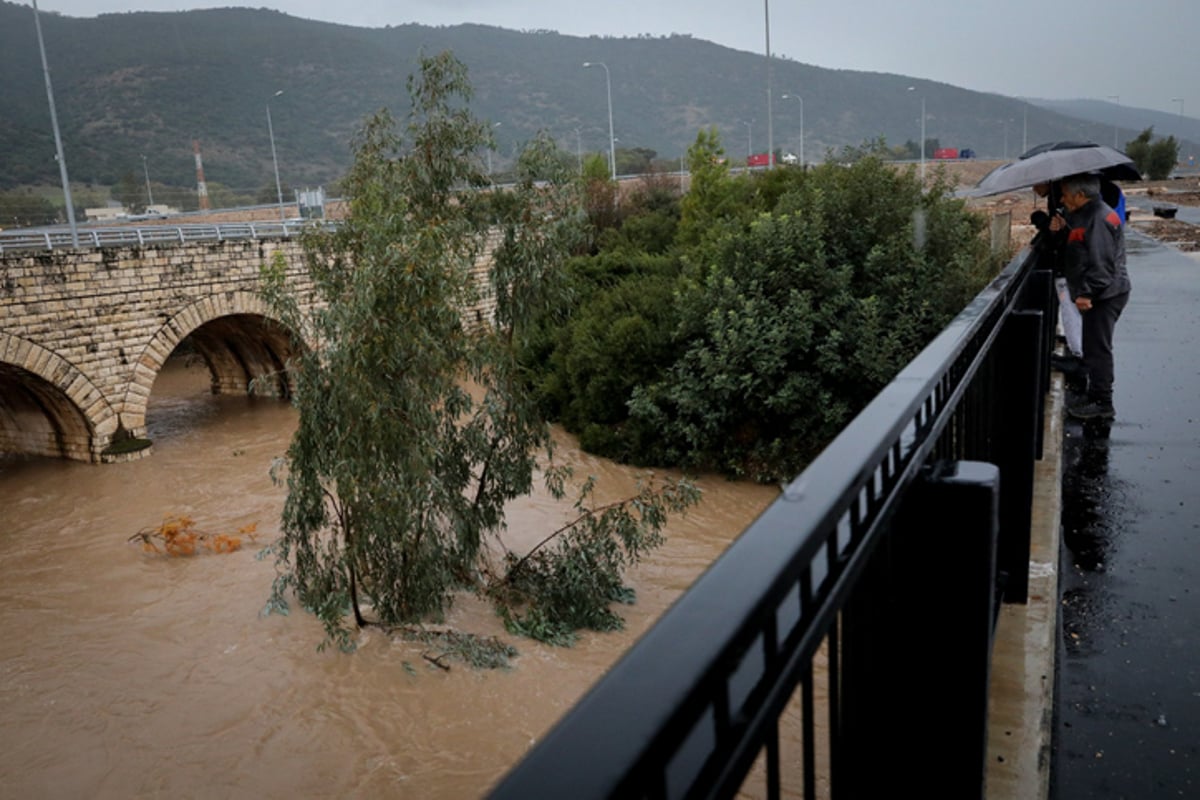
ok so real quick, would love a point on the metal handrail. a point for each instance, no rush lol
(855, 556)
(117, 236)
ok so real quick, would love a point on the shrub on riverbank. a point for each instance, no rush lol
(786, 301)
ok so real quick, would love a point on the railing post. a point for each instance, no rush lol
(1019, 411)
(1039, 295)
(917, 639)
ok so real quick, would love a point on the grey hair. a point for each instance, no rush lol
(1088, 185)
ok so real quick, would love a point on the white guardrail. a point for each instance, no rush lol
(60, 238)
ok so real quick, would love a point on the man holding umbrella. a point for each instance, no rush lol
(1094, 264)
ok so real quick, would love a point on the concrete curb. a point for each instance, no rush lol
(1021, 694)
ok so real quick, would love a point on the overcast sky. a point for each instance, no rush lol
(1141, 53)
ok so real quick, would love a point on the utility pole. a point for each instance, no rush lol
(612, 140)
(149, 194)
(62, 160)
(274, 160)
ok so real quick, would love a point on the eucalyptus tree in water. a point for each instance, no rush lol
(416, 426)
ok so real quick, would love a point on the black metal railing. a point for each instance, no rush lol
(841, 647)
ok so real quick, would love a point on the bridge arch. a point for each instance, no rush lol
(48, 406)
(244, 346)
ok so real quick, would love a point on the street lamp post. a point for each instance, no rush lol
(612, 141)
(1024, 130)
(1117, 99)
(801, 99)
(749, 138)
(62, 161)
(1180, 101)
(149, 194)
(770, 94)
(913, 89)
(922, 141)
(274, 160)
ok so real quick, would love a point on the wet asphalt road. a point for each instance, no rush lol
(1128, 695)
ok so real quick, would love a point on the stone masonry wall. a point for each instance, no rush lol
(99, 324)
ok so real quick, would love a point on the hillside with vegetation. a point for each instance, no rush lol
(149, 84)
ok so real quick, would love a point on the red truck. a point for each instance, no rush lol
(946, 152)
(759, 160)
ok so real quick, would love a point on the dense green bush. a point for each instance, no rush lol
(788, 299)
(803, 316)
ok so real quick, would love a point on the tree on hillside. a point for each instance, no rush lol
(269, 194)
(871, 148)
(634, 160)
(130, 192)
(19, 209)
(417, 427)
(1154, 160)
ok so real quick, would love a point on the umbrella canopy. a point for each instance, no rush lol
(1055, 160)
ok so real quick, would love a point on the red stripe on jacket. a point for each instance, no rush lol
(1076, 235)
(1113, 219)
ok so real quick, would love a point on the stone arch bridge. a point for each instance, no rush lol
(84, 333)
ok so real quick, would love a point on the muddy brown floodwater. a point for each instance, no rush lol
(125, 675)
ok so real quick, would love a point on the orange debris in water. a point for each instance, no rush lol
(178, 536)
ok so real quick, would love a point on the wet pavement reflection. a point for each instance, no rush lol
(1128, 693)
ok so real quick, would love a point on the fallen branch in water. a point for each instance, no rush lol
(178, 536)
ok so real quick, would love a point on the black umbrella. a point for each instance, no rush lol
(1054, 160)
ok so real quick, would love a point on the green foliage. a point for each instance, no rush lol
(126, 445)
(634, 160)
(876, 148)
(416, 427)
(569, 580)
(1155, 160)
(480, 652)
(599, 193)
(130, 192)
(804, 315)
(714, 197)
(787, 301)
(268, 195)
(382, 482)
(620, 342)
(19, 209)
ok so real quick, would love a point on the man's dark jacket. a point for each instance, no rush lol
(1094, 258)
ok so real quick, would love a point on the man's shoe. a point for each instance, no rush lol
(1092, 410)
